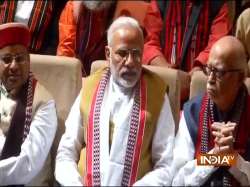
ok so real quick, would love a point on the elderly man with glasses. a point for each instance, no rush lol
(28, 119)
(216, 122)
(121, 122)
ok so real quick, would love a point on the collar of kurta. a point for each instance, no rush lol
(20, 120)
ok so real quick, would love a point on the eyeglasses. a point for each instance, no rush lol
(217, 72)
(19, 58)
(123, 54)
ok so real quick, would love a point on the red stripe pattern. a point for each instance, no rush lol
(28, 112)
(140, 134)
(135, 138)
(93, 148)
(137, 123)
(39, 20)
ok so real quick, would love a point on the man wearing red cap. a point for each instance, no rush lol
(27, 112)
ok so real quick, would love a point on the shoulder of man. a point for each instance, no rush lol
(155, 80)
(191, 111)
(90, 82)
(41, 97)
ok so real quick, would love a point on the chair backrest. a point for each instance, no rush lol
(170, 76)
(198, 83)
(62, 78)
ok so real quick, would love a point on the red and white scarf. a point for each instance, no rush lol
(135, 137)
(207, 118)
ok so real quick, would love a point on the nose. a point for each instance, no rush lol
(211, 78)
(13, 66)
(130, 61)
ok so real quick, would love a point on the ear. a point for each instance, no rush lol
(107, 53)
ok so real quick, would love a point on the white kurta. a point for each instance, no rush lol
(187, 173)
(23, 168)
(116, 107)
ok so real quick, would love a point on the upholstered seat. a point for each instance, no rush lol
(62, 78)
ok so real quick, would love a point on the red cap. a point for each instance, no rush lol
(14, 33)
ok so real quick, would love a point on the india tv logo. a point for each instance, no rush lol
(217, 159)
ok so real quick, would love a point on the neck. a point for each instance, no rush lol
(226, 105)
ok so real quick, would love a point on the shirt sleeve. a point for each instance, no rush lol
(221, 26)
(153, 25)
(23, 168)
(184, 166)
(67, 31)
(162, 150)
(68, 153)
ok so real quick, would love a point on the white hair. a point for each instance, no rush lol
(123, 21)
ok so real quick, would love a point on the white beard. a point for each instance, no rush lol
(97, 5)
(119, 80)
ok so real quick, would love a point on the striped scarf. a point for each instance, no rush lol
(21, 120)
(176, 21)
(208, 115)
(38, 21)
(135, 138)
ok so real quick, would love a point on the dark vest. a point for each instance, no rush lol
(191, 111)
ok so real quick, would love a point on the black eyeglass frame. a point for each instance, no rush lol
(22, 60)
(217, 73)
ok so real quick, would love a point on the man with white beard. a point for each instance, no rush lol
(117, 133)
(82, 30)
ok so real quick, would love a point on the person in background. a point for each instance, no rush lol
(122, 135)
(82, 30)
(216, 122)
(40, 16)
(181, 33)
(28, 120)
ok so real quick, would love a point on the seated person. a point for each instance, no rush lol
(28, 119)
(124, 135)
(216, 122)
